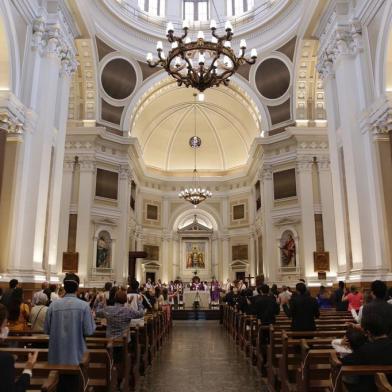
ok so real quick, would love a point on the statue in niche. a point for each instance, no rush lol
(287, 249)
(103, 250)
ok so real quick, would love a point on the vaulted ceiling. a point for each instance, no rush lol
(227, 123)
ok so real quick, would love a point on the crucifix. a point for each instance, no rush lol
(248, 278)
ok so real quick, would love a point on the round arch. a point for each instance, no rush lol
(182, 212)
(9, 49)
(383, 60)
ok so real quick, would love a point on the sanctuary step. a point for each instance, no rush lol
(200, 314)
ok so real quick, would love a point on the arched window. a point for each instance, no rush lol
(239, 7)
(153, 7)
(195, 10)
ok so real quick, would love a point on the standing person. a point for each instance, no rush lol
(18, 311)
(302, 309)
(44, 286)
(324, 298)
(38, 313)
(108, 286)
(338, 295)
(215, 291)
(9, 382)
(68, 320)
(6, 297)
(354, 299)
(285, 296)
(265, 306)
(119, 318)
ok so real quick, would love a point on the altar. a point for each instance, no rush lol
(189, 298)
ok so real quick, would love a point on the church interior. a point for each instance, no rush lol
(201, 147)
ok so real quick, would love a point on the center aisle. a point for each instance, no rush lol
(199, 357)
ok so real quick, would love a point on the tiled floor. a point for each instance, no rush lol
(199, 356)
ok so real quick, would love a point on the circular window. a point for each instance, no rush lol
(118, 78)
(272, 78)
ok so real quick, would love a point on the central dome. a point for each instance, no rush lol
(226, 122)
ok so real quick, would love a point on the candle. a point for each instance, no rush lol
(253, 53)
(212, 24)
(201, 58)
(185, 24)
(159, 45)
(242, 44)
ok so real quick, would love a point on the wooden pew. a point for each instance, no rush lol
(46, 376)
(382, 383)
(315, 369)
(101, 373)
(275, 347)
(338, 371)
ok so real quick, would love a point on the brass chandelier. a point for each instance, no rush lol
(201, 63)
(195, 194)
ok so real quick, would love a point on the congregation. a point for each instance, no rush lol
(68, 314)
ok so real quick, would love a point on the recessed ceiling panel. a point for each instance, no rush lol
(272, 78)
(118, 78)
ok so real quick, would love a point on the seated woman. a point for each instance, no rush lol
(7, 363)
(18, 311)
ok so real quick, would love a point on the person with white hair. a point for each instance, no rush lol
(38, 312)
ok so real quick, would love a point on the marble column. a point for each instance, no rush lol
(252, 257)
(139, 247)
(269, 240)
(308, 240)
(66, 193)
(327, 207)
(121, 262)
(215, 257)
(176, 257)
(337, 169)
(84, 235)
(54, 205)
(225, 258)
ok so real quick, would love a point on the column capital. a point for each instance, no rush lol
(266, 172)
(323, 164)
(12, 114)
(87, 165)
(304, 163)
(124, 172)
(341, 39)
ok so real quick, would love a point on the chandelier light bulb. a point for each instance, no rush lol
(212, 24)
(227, 44)
(201, 59)
(228, 26)
(177, 61)
(214, 40)
(149, 57)
(159, 45)
(170, 27)
(185, 24)
(200, 35)
(242, 44)
(187, 40)
(200, 97)
(253, 53)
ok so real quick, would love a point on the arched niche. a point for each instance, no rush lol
(285, 245)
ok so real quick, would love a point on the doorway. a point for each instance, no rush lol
(240, 276)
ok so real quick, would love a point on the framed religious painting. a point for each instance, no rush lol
(321, 261)
(195, 253)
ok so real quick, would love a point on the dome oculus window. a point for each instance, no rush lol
(195, 10)
(239, 7)
(153, 7)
